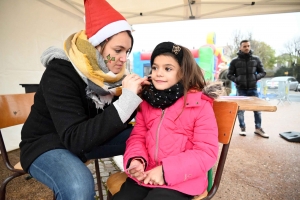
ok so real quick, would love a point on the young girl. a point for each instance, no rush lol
(175, 139)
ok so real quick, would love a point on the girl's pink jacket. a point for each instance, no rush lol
(186, 147)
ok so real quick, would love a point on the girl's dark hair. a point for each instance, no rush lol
(190, 74)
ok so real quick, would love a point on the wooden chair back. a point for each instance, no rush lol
(225, 113)
(14, 110)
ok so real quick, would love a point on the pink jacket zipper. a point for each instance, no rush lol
(157, 138)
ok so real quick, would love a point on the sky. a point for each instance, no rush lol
(273, 29)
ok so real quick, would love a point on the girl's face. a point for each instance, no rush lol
(165, 71)
(116, 50)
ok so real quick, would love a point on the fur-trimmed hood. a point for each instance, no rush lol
(214, 89)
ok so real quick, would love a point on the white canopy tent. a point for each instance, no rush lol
(152, 11)
(27, 28)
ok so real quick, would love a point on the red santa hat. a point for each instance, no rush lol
(102, 21)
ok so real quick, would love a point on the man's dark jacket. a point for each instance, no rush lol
(245, 70)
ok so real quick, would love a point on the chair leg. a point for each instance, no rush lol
(2, 192)
(98, 179)
(109, 196)
(6, 181)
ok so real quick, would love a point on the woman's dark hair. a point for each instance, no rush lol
(102, 44)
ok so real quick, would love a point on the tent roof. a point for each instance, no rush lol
(152, 11)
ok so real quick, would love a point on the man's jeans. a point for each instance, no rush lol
(67, 175)
(257, 114)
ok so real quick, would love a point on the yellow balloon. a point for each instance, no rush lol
(211, 38)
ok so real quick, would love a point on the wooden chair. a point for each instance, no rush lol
(225, 113)
(14, 110)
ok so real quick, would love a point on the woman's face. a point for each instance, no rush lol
(165, 70)
(116, 50)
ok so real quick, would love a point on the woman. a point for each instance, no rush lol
(75, 116)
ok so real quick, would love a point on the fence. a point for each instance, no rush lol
(280, 91)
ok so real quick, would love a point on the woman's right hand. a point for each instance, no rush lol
(133, 82)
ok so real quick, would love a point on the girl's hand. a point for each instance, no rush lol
(136, 170)
(133, 83)
(147, 81)
(154, 176)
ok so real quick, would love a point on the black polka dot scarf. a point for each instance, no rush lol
(163, 98)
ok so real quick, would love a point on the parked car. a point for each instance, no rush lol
(298, 88)
(273, 83)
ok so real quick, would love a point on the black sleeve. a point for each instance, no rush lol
(67, 104)
(231, 71)
(260, 70)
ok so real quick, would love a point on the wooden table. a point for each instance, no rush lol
(250, 103)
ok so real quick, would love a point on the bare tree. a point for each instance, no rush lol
(233, 46)
(292, 49)
(261, 49)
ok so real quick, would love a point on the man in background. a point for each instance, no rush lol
(245, 70)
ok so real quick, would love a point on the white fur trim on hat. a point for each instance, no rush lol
(108, 31)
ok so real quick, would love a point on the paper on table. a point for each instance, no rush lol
(234, 97)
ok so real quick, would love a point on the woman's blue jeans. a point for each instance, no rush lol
(67, 175)
(257, 114)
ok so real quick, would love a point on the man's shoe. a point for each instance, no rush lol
(261, 132)
(243, 132)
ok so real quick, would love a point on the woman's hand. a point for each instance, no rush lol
(155, 176)
(133, 82)
(136, 169)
